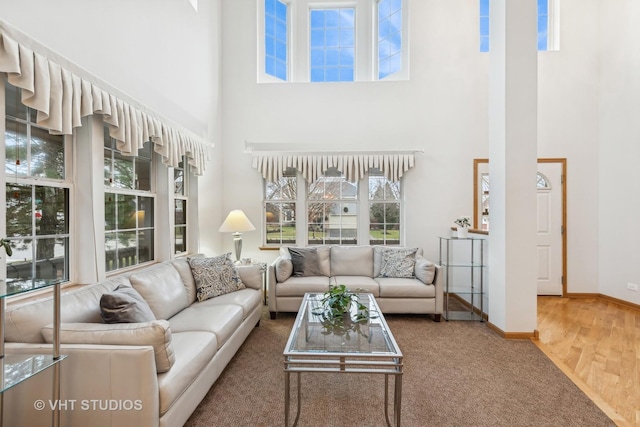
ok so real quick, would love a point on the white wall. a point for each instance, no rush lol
(619, 153)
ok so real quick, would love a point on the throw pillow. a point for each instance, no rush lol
(284, 269)
(305, 262)
(215, 276)
(398, 263)
(125, 305)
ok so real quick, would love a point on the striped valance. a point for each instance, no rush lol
(353, 165)
(62, 98)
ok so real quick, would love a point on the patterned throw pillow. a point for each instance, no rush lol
(215, 276)
(398, 263)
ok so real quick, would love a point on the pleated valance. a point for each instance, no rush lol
(312, 165)
(62, 98)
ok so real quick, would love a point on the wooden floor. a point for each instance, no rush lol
(597, 344)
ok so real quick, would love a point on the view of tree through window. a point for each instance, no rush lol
(129, 206)
(280, 209)
(180, 211)
(384, 209)
(332, 210)
(37, 198)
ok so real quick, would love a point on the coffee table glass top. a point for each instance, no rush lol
(313, 333)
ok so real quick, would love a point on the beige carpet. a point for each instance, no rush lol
(456, 374)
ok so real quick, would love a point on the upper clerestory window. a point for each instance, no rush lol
(332, 41)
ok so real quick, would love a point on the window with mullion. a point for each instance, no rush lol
(180, 181)
(276, 44)
(37, 198)
(389, 37)
(332, 210)
(332, 44)
(384, 209)
(280, 210)
(129, 206)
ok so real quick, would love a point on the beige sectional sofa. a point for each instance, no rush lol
(162, 373)
(357, 267)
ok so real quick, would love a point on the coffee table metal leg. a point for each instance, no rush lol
(287, 398)
(397, 399)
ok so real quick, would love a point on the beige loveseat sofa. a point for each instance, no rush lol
(158, 383)
(357, 267)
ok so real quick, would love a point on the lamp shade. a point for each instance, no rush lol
(236, 222)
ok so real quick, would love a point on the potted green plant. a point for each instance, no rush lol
(463, 223)
(335, 312)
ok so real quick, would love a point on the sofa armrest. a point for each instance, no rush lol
(123, 377)
(272, 283)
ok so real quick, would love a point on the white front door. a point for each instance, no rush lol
(549, 229)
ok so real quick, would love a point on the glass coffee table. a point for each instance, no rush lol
(365, 347)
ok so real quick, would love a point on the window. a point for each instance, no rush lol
(37, 197)
(180, 178)
(275, 38)
(332, 44)
(389, 37)
(332, 212)
(129, 206)
(360, 40)
(547, 31)
(280, 209)
(332, 209)
(384, 210)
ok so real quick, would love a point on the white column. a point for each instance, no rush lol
(513, 74)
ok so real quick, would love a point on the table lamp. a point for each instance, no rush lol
(236, 223)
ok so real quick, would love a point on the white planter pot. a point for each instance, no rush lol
(463, 232)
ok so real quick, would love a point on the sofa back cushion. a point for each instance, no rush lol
(352, 261)
(25, 320)
(184, 270)
(162, 287)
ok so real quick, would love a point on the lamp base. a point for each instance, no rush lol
(237, 243)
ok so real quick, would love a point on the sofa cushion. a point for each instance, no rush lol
(156, 334)
(125, 305)
(352, 261)
(358, 283)
(215, 276)
(305, 262)
(297, 286)
(398, 263)
(222, 320)
(194, 351)
(162, 288)
(284, 269)
(425, 270)
(247, 299)
(392, 287)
